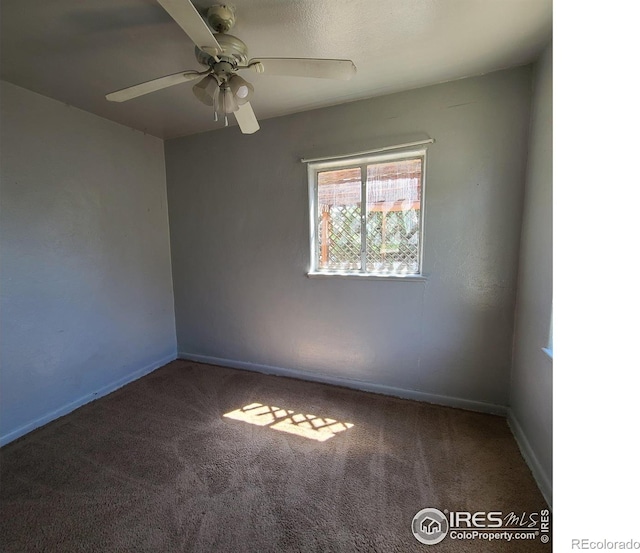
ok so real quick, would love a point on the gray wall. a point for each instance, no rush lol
(531, 381)
(86, 293)
(238, 210)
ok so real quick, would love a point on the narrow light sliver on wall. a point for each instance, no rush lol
(307, 426)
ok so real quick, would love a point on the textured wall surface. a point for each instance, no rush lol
(531, 381)
(86, 291)
(238, 209)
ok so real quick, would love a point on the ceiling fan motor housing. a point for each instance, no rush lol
(234, 52)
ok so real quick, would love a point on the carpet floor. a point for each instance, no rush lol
(199, 458)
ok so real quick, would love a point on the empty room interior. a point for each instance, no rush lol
(276, 275)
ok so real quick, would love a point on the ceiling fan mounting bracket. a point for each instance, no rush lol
(221, 17)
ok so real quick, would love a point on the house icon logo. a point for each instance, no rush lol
(430, 526)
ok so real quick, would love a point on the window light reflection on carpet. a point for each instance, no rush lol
(285, 420)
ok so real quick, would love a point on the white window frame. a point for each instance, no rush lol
(362, 161)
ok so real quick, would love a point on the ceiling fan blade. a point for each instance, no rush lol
(246, 119)
(151, 86)
(185, 14)
(306, 67)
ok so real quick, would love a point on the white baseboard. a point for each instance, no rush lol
(72, 406)
(539, 474)
(383, 389)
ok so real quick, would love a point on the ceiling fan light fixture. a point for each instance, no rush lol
(241, 89)
(202, 92)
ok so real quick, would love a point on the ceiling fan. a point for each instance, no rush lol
(219, 85)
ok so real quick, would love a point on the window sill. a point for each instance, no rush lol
(368, 276)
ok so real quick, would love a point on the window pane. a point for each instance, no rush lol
(393, 217)
(339, 220)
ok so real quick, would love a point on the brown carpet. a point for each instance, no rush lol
(156, 466)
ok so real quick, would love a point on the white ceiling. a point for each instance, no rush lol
(76, 51)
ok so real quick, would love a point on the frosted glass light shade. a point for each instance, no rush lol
(242, 90)
(229, 104)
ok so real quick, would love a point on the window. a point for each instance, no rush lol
(367, 215)
(549, 349)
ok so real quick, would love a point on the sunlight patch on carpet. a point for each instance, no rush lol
(285, 420)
